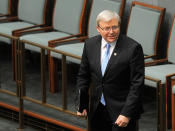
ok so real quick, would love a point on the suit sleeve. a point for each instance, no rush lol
(83, 80)
(132, 104)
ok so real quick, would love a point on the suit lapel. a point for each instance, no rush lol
(114, 56)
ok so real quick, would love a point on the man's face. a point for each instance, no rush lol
(109, 30)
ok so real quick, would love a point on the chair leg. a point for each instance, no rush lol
(161, 109)
(168, 104)
(53, 75)
(14, 58)
(173, 105)
(173, 112)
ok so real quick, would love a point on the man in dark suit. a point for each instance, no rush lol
(114, 64)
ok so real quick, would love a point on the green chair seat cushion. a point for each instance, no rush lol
(74, 49)
(42, 39)
(7, 28)
(158, 72)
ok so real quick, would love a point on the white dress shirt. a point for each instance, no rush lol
(103, 48)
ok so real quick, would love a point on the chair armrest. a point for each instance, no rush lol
(67, 41)
(171, 76)
(4, 15)
(13, 18)
(31, 29)
(67, 37)
(152, 79)
(155, 62)
(149, 56)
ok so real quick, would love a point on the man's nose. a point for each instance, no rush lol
(111, 30)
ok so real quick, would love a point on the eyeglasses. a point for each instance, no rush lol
(107, 29)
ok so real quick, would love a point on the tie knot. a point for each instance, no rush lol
(108, 45)
(107, 48)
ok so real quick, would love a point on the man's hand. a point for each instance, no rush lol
(122, 121)
(84, 113)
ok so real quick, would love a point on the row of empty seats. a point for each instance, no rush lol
(74, 21)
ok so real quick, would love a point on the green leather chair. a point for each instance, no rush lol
(144, 26)
(158, 76)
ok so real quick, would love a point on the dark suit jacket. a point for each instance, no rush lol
(122, 82)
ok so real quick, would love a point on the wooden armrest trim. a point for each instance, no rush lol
(9, 19)
(67, 37)
(3, 15)
(148, 5)
(26, 28)
(172, 76)
(21, 32)
(67, 41)
(155, 62)
(152, 79)
(150, 56)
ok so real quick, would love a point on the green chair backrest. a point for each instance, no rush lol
(4, 6)
(143, 26)
(32, 11)
(171, 44)
(68, 15)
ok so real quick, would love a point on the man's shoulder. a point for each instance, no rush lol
(128, 41)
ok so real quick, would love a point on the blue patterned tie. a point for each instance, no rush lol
(103, 66)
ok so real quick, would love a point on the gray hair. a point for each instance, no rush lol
(106, 16)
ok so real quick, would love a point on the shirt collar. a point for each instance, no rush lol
(104, 43)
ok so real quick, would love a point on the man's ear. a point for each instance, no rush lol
(98, 29)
